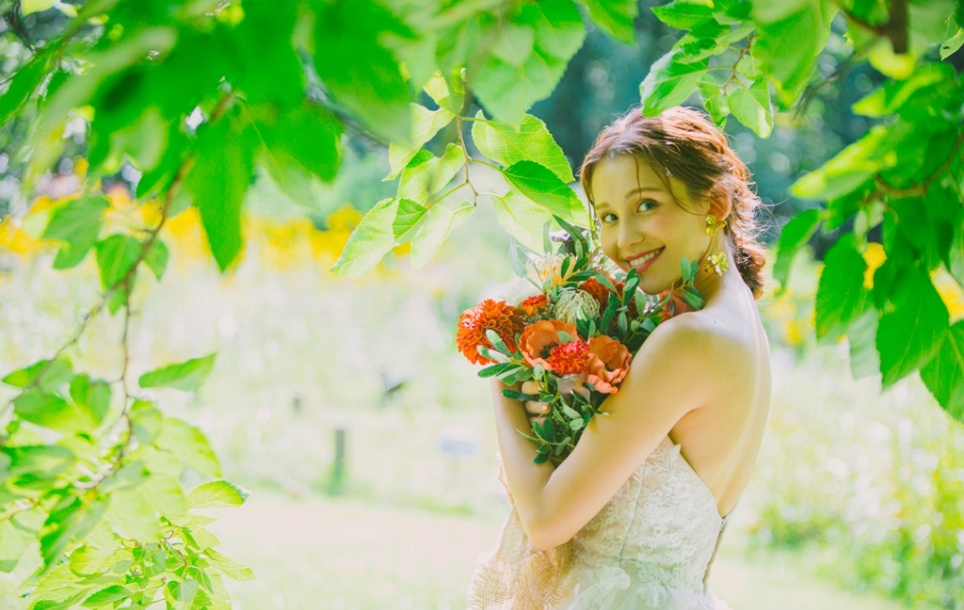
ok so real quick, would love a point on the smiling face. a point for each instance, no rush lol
(642, 223)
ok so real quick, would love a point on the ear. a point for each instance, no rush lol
(720, 203)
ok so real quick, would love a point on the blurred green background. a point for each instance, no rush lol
(857, 500)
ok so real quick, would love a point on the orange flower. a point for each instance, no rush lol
(534, 305)
(674, 306)
(597, 290)
(501, 317)
(538, 339)
(608, 364)
(569, 358)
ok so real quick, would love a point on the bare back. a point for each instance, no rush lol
(721, 440)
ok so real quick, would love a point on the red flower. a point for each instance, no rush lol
(598, 291)
(538, 339)
(534, 305)
(608, 364)
(501, 317)
(674, 305)
(569, 358)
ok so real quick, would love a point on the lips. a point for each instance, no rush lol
(642, 261)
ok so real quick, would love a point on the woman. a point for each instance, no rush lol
(632, 518)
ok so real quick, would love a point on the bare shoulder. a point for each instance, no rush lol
(700, 339)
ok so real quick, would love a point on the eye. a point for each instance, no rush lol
(608, 217)
(646, 205)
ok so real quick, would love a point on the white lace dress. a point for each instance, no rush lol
(647, 549)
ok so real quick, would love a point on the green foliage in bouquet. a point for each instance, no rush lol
(575, 338)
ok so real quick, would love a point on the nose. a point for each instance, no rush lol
(629, 235)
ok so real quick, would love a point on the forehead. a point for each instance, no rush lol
(616, 177)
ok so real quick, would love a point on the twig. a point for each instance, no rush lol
(468, 159)
(895, 29)
(920, 189)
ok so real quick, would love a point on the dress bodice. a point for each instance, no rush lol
(647, 549)
(652, 541)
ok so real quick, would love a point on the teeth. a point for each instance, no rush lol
(640, 261)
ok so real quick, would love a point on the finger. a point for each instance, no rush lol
(536, 408)
(530, 387)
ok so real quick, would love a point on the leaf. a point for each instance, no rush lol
(952, 44)
(58, 530)
(305, 138)
(513, 43)
(546, 190)
(861, 337)
(116, 257)
(670, 82)
(78, 90)
(156, 257)
(713, 99)
(529, 141)
(944, 374)
(683, 15)
(428, 174)
(850, 168)
(190, 445)
(35, 6)
(360, 71)
(893, 95)
(91, 396)
(146, 421)
(22, 86)
(77, 223)
(841, 296)
(188, 375)
(14, 542)
(522, 219)
(53, 412)
(617, 17)
(183, 593)
(111, 594)
(372, 239)
(506, 90)
(231, 569)
(216, 494)
(425, 124)
(89, 559)
(130, 515)
(752, 107)
(439, 222)
(165, 495)
(793, 236)
(407, 218)
(59, 372)
(787, 47)
(443, 95)
(910, 335)
(218, 180)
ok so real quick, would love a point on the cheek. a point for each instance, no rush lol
(607, 240)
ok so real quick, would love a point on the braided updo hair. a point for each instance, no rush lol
(684, 144)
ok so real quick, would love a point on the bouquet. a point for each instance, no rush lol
(575, 336)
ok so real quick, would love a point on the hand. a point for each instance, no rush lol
(536, 411)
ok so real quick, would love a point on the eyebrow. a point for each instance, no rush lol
(635, 191)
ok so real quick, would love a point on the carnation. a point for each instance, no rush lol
(499, 316)
(535, 305)
(569, 358)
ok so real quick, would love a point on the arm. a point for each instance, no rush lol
(555, 503)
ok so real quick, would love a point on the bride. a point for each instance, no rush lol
(632, 518)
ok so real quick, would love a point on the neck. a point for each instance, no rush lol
(708, 283)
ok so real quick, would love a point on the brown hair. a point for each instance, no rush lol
(684, 144)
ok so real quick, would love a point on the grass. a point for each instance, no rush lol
(346, 554)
